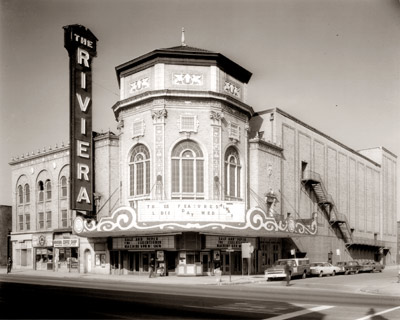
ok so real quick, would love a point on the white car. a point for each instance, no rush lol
(323, 268)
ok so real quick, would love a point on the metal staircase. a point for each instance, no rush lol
(326, 203)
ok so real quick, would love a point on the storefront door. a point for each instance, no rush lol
(205, 261)
(225, 262)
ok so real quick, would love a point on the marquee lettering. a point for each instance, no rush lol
(80, 43)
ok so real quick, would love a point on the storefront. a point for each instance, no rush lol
(43, 251)
(133, 255)
(66, 253)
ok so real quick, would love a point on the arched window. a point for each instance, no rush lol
(232, 173)
(187, 168)
(63, 185)
(48, 190)
(20, 195)
(27, 193)
(41, 191)
(139, 171)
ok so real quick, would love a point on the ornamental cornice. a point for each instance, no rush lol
(182, 95)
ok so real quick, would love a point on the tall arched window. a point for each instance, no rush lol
(20, 195)
(41, 191)
(27, 193)
(139, 171)
(187, 168)
(232, 173)
(48, 190)
(63, 185)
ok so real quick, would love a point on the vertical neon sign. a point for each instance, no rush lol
(80, 43)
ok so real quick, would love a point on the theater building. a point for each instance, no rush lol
(196, 178)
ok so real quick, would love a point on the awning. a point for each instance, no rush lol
(358, 241)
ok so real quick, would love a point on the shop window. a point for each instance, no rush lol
(192, 257)
(20, 195)
(27, 193)
(28, 221)
(40, 191)
(232, 174)
(68, 257)
(63, 184)
(48, 190)
(139, 171)
(44, 258)
(21, 222)
(187, 171)
(41, 220)
(48, 219)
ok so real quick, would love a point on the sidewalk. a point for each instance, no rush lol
(389, 286)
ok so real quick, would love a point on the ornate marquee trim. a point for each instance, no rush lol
(126, 219)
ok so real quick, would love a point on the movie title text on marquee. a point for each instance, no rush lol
(81, 46)
(161, 242)
(194, 211)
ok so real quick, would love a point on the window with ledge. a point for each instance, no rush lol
(232, 174)
(20, 195)
(41, 220)
(27, 193)
(21, 222)
(64, 189)
(48, 219)
(187, 166)
(234, 131)
(48, 190)
(139, 171)
(28, 221)
(65, 221)
(188, 123)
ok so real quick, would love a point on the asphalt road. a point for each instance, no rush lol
(29, 297)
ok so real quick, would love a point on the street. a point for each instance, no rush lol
(25, 296)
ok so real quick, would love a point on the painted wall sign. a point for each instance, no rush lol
(81, 46)
(42, 240)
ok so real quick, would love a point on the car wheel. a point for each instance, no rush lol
(346, 272)
(304, 275)
(320, 274)
(333, 273)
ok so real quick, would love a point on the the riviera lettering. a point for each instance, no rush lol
(83, 147)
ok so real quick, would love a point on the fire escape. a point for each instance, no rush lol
(325, 201)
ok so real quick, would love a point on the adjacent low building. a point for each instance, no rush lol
(195, 179)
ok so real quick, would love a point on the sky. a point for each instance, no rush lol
(334, 65)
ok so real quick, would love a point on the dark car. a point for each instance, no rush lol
(348, 267)
(365, 265)
(376, 266)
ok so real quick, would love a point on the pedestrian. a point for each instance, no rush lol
(9, 264)
(151, 268)
(218, 272)
(288, 271)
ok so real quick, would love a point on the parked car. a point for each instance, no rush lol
(376, 266)
(365, 265)
(323, 268)
(347, 267)
(300, 267)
